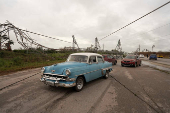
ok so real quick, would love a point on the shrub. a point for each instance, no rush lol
(2, 62)
(1, 54)
(17, 61)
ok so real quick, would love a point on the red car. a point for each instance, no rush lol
(131, 60)
(110, 58)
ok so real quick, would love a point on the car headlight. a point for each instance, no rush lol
(68, 72)
(42, 69)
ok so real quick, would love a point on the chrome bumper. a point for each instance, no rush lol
(56, 83)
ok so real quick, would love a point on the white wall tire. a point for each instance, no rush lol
(79, 84)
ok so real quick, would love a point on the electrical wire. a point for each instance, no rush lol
(39, 34)
(136, 20)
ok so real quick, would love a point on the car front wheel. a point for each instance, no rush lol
(79, 84)
(135, 65)
(115, 63)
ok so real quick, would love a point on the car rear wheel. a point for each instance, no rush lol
(140, 63)
(135, 65)
(106, 75)
(115, 63)
(79, 84)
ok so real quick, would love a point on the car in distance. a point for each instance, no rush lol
(131, 60)
(110, 58)
(141, 56)
(159, 56)
(77, 70)
(153, 56)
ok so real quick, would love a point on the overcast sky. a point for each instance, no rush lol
(87, 19)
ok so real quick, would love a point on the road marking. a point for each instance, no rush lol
(128, 75)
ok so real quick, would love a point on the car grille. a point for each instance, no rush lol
(55, 76)
(126, 61)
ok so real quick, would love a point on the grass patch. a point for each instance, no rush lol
(15, 61)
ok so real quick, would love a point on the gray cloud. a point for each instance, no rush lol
(88, 19)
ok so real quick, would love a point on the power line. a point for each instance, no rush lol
(151, 29)
(136, 20)
(158, 27)
(41, 35)
(44, 35)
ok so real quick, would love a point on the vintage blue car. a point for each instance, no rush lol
(77, 70)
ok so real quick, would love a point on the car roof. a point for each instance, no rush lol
(131, 55)
(87, 54)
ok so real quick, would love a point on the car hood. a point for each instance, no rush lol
(60, 67)
(125, 59)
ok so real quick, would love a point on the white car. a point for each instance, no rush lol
(141, 56)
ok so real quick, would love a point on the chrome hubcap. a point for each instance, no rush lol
(80, 84)
(107, 74)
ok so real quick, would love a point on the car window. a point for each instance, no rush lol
(130, 57)
(77, 58)
(92, 59)
(100, 60)
(108, 56)
(153, 55)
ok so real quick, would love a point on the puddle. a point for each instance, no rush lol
(155, 66)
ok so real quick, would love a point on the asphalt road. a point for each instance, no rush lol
(159, 61)
(127, 90)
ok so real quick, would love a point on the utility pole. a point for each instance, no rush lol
(96, 44)
(73, 42)
(103, 47)
(118, 48)
(153, 47)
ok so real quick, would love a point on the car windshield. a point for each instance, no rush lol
(153, 55)
(130, 57)
(77, 58)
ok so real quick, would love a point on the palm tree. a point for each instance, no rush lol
(4, 38)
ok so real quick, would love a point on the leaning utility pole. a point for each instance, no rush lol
(118, 48)
(97, 45)
(103, 47)
(75, 43)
